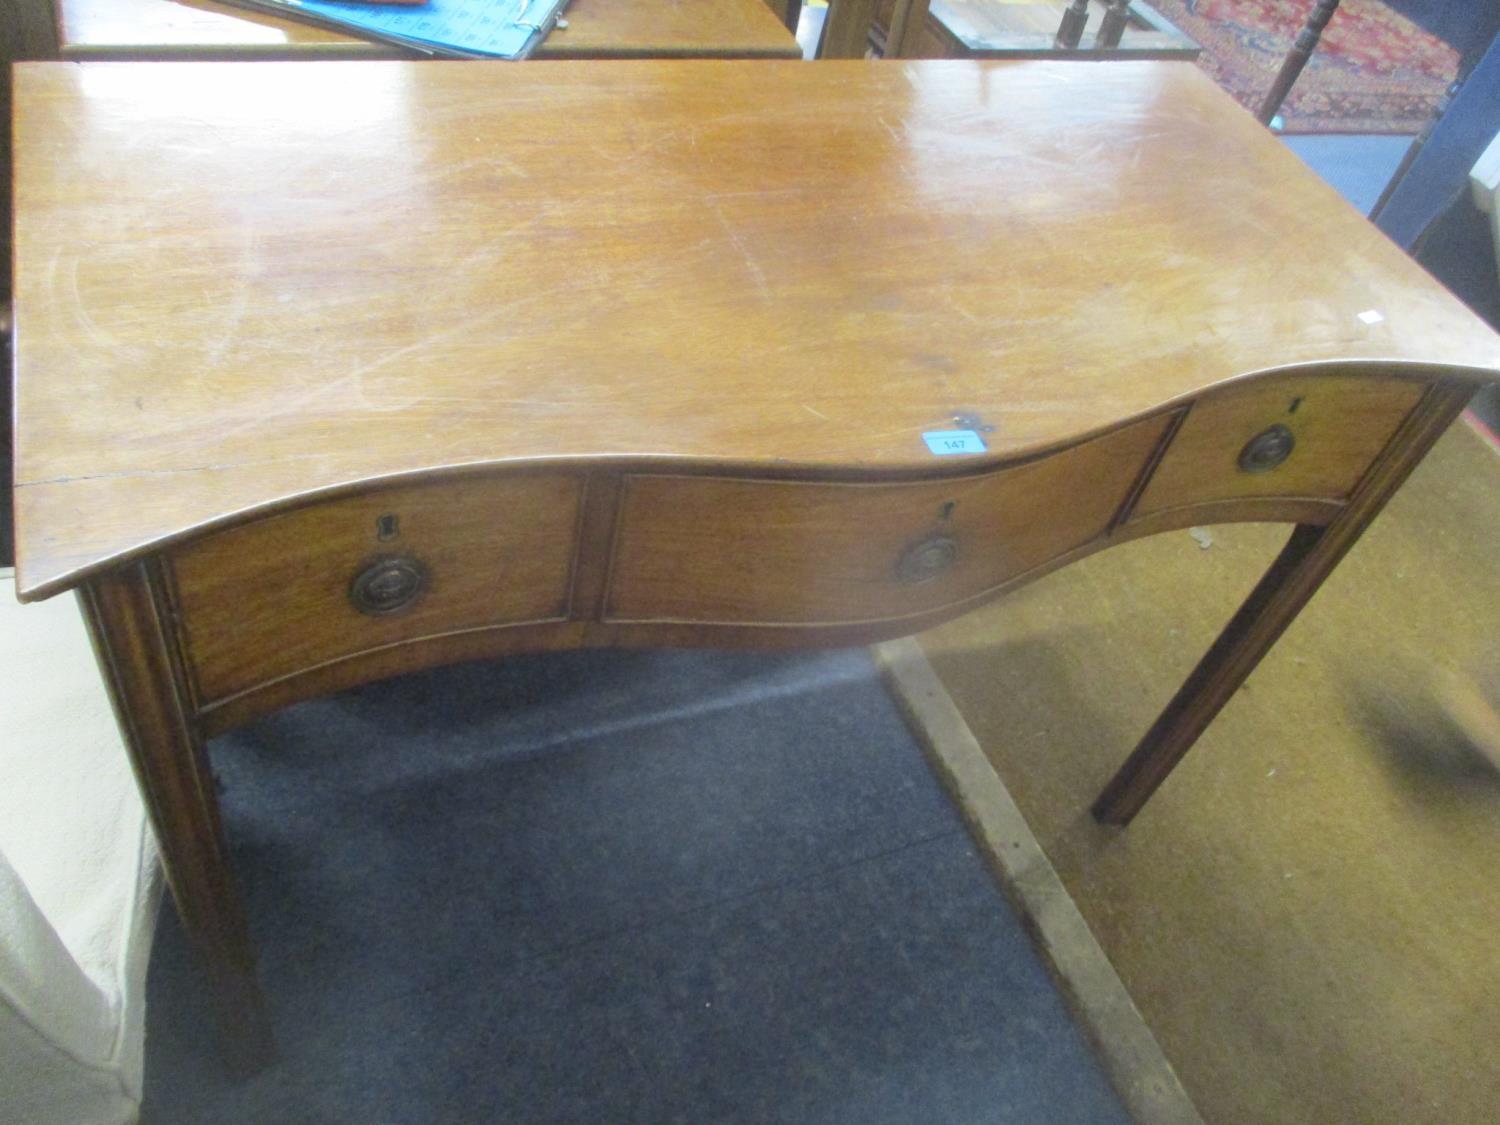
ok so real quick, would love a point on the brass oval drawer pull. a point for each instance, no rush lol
(387, 586)
(1267, 449)
(926, 559)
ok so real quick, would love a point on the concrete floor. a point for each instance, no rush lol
(1306, 912)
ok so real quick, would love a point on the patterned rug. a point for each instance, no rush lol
(1374, 71)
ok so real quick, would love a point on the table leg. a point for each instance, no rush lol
(1309, 556)
(129, 622)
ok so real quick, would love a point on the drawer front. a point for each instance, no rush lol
(713, 550)
(1310, 437)
(292, 591)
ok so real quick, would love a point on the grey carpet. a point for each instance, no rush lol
(617, 886)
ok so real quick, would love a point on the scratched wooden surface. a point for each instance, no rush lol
(156, 29)
(237, 285)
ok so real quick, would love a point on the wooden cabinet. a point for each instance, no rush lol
(710, 550)
(331, 580)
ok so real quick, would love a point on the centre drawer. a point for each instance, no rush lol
(715, 550)
(328, 580)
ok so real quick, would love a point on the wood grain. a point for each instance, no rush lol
(130, 625)
(272, 598)
(924, 38)
(28, 32)
(587, 628)
(1294, 577)
(645, 354)
(429, 271)
(717, 551)
(1339, 426)
(904, 28)
(138, 30)
(846, 29)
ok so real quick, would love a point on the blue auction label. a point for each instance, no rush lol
(947, 442)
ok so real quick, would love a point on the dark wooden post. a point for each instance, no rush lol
(907, 19)
(1296, 59)
(846, 30)
(1070, 30)
(1112, 27)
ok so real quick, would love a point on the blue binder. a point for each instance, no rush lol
(504, 29)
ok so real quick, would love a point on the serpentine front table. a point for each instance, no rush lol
(331, 371)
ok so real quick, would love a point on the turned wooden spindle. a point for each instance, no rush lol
(1070, 30)
(1112, 26)
(1296, 59)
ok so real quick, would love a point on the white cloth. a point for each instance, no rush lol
(79, 880)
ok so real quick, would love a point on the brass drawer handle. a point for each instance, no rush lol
(926, 559)
(387, 586)
(1267, 449)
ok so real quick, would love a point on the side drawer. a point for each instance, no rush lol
(291, 591)
(715, 550)
(1308, 437)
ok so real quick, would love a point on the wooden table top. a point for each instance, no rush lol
(163, 29)
(237, 285)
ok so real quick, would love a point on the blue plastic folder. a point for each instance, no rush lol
(506, 29)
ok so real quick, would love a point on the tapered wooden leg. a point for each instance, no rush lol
(129, 622)
(1309, 556)
(1268, 610)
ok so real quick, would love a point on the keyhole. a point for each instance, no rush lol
(1296, 402)
(387, 527)
(947, 510)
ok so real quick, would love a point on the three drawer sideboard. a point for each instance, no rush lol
(331, 371)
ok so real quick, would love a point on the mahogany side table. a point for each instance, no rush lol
(331, 371)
